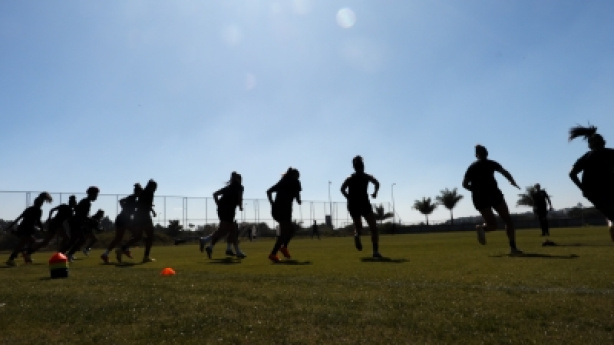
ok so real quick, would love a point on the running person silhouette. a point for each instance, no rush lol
(78, 222)
(355, 190)
(92, 225)
(597, 168)
(286, 190)
(30, 223)
(480, 181)
(123, 222)
(56, 225)
(541, 200)
(227, 200)
(143, 223)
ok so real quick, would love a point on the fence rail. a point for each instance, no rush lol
(190, 211)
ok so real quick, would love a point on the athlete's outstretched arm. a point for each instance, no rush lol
(15, 221)
(376, 184)
(508, 176)
(241, 200)
(216, 195)
(466, 183)
(269, 194)
(51, 212)
(549, 201)
(344, 189)
(573, 175)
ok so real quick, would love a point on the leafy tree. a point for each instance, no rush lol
(449, 199)
(425, 206)
(174, 228)
(381, 214)
(526, 198)
(297, 224)
(106, 223)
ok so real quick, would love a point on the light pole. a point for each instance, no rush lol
(330, 204)
(394, 212)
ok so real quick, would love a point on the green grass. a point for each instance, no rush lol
(432, 289)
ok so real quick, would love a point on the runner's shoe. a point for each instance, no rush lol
(285, 252)
(148, 259)
(481, 234)
(274, 258)
(86, 251)
(209, 251)
(26, 257)
(241, 255)
(515, 252)
(127, 253)
(230, 253)
(357, 242)
(377, 255)
(105, 258)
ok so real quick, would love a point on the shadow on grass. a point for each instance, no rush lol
(32, 264)
(291, 262)
(225, 261)
(384, 259)
(123, 264)
(578, 245)
(536, 255)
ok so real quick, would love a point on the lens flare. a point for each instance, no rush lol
(346, 18)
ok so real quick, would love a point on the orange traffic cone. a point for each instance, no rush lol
(58, 266)
(168, 272)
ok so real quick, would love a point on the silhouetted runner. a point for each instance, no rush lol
(486, 195)
(355, 190)
(597, 168)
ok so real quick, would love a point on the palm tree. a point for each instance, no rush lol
(381, 214)
(425, 206)
(526, 198)
(449, 199)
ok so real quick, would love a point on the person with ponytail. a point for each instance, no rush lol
(286, 191)
(480, 181)
(30, 223)
(355, 190)
(227, 200)
(56, 225)
(143, 223)
(123, 221)
(597, 168)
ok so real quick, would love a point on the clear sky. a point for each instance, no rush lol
(109, 93)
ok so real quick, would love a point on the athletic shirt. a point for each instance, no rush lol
(481, 175)
(31, 217)
(64, 212)
(144, 202)
(358, 184)
(231, 194)
(82, 211)
(597, 168)
(539, 199)
(128, 204)
(286, 190)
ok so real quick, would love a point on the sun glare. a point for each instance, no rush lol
(346, 18)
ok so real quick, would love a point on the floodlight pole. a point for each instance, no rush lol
(330, 204)
(393, 208)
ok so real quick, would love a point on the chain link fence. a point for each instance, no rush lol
(191, 212)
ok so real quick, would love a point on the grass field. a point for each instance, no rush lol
(440, 288)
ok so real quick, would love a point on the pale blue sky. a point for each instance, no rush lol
(109, 93)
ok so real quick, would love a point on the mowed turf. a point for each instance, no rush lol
(440, 288)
